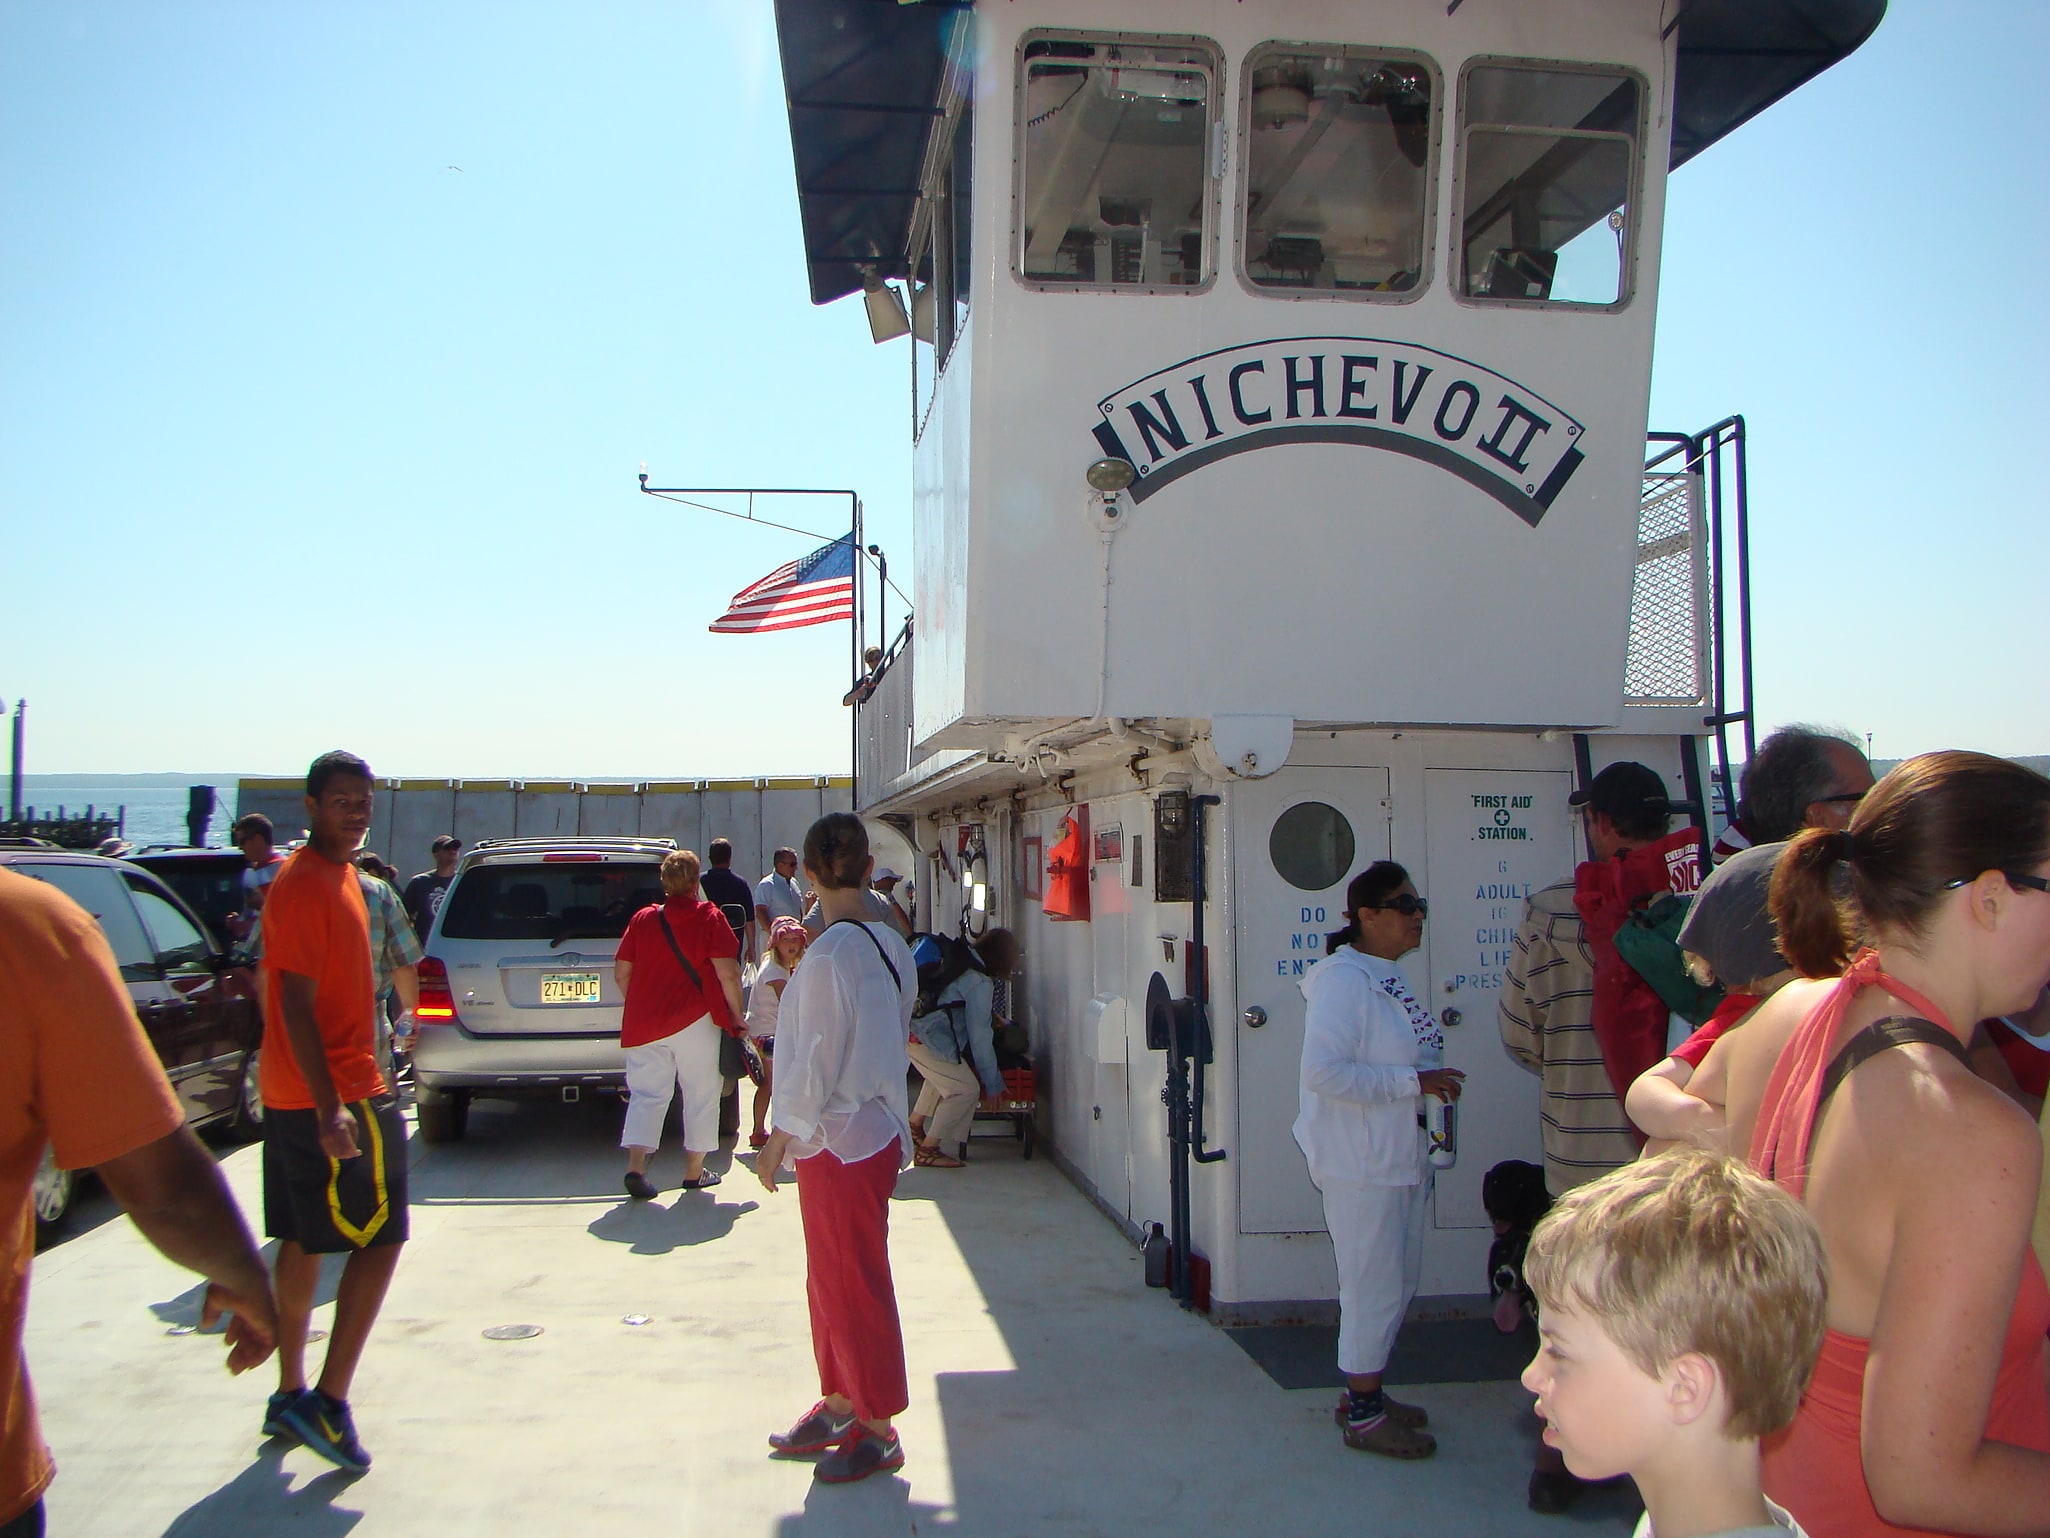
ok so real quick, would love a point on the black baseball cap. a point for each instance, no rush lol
(1627, 792)
(446, 841)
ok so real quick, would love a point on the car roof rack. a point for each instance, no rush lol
(623, 844)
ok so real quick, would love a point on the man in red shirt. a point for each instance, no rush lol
(334, 1148)
(678, 966)
(78, 1077)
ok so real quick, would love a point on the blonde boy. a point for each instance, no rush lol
(1680, 1311)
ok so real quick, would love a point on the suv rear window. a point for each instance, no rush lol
(569, 900)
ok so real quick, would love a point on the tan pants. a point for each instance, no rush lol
(947, 1103)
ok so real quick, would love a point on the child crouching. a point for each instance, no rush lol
(1680, 1314)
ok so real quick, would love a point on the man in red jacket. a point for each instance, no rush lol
(1636, 860)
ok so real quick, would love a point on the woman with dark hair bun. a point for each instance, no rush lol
(1930, 1408)
(1370, 1055)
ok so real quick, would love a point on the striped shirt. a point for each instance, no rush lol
(1547, 1019)
(392, 941)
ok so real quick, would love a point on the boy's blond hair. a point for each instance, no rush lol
(1691, 1251)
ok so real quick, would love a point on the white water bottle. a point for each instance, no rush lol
(1441, 1131)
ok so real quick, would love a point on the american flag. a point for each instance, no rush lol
(807, 592)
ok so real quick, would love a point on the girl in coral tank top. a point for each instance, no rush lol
(1930, 1409)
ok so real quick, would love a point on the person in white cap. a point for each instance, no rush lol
(877, 906)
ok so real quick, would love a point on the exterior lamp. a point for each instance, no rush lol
(886, 317)
(1110, 476)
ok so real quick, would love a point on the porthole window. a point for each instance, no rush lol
(1311, 846)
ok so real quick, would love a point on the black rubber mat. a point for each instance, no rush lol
(1438, 1351)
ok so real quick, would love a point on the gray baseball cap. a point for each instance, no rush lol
(1729, 925)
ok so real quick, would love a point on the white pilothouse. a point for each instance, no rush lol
(1282, 503)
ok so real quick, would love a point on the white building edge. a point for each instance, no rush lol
(1364, 294)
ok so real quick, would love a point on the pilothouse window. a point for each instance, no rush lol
(1548, 170)
(1339, 140)
(1115, 186)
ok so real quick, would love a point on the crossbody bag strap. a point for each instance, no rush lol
(895, 976)
(676, 950)
(1880, 1036)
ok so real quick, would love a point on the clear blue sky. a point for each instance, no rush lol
(307, 439)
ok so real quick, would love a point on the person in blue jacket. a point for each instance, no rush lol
(953, 1047)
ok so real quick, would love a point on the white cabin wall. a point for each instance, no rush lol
(1358, 547)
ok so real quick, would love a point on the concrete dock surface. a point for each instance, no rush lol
(1052, 1393)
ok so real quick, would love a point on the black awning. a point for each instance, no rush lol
(862, 80)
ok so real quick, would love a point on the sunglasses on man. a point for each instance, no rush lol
(1408, 906)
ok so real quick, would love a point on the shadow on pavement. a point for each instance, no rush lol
(875, 1508)
(184, 1309)
(653, 1228)
(263, 1499)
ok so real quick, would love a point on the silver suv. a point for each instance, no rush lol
(516, 993)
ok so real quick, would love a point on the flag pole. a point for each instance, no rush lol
(860, 667)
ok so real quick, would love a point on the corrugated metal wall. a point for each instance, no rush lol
(757, 815)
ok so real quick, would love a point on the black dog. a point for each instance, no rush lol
(1515, 1197)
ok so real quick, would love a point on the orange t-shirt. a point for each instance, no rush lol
(76, 1072)
(315, 924)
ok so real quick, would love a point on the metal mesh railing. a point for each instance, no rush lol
(1668, 658)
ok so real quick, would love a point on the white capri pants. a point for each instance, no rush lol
(1377, 1233)
(655, 1070)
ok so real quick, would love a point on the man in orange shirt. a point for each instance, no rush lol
(77, 1075)
(334, 1149)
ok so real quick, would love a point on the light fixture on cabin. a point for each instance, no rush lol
(886, 317)
(1281, 96)
(925, 310)
(1110, 476)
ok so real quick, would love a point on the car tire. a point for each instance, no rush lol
(247, 1123)
(444, 1115)
(54, 1190)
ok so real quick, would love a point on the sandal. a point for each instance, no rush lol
(933, 1159)
(757, 1139)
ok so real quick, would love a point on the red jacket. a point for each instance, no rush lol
(1629, 1018)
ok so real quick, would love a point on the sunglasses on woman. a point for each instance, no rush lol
(2014, 878)
(1406, 905)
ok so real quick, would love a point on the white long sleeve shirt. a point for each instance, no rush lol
(840, 1035)
(1365, 1039)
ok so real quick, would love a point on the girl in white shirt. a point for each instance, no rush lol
(787, 940)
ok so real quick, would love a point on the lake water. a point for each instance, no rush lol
(154, 803)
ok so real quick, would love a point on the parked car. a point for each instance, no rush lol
(210, 881)
(197, 1004)
(516, 993)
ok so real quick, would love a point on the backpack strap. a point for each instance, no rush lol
(1878, 1037)
(884, 956)
(676, 950)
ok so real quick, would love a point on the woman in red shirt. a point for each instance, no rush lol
(678, 965)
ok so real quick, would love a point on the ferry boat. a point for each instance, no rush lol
(1283, 500)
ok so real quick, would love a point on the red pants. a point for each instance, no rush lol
(854, 1328)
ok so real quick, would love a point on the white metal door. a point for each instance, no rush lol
(1298, 838)
(1493, 837)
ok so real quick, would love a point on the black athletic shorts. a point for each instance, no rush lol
(331, 1206)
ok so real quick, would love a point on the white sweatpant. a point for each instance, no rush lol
(655, 1070)
(1377, 1233)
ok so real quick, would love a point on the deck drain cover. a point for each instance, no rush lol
(179, 1329)
(635, 1319)
(314, 1335)
(512, 1332)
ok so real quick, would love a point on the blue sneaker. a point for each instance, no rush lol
(326, 1426)
(274, 1413)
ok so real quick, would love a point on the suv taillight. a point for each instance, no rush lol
(437, 1001)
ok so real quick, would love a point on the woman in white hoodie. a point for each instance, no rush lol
(1370, 1053)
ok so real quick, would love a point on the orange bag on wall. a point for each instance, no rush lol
(1067, 874)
